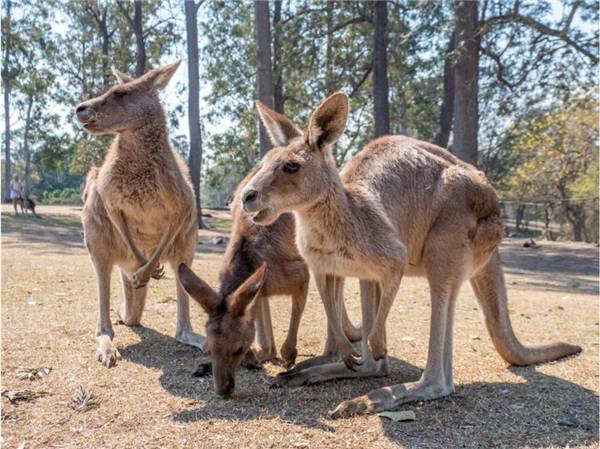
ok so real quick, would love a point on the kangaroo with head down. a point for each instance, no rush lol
(259, 262)
(139, 207)
(400, 206)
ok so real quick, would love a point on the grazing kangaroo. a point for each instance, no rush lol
(243, 279)
(139, 205)
(400, 206)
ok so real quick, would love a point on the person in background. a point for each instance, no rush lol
(15, 193)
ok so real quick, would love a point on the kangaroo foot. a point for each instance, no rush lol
(106, 353)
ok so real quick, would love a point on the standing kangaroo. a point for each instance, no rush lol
(259, 262)
(139, 205)
(400, 206)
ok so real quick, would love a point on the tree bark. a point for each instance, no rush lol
(380, 78)
(278, 98)
(100, 16)
(140, 56)
(447, 109)
(264, 77)
(26, 149)
(577, 217)
(195, 156)
(6, 79)
(466, 72)
(329, 81)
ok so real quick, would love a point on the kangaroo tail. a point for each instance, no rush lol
(490, 289)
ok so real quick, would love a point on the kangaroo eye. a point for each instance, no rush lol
(120, 94)
(291, 167)
(238, 352)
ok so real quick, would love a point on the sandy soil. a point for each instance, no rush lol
(150, 399)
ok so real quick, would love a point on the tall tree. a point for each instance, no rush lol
(195, 156)
(100, 14)
(466, 72)
(278, 98)
(506, 32)
(264, 75)
(6, 81)
(447, 109)
(380, 78)
(137, 25)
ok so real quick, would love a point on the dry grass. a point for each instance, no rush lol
(151, 400)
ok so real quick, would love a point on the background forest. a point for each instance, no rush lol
(508, 85)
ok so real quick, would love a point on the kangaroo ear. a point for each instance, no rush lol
(198, 289)
(327, 122)
(244, 298)
(121, 77)
(160, 77)
(280, 128)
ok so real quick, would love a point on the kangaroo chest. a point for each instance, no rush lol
(327, 255)
(146, 206)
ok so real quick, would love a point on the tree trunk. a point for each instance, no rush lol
(195, 156)
(264, 78)
(103, 25)
(329, 81)
(6, 79)
(140, 56)
(380, 78)
(26, 149)
(466, 108)
(447, 109)
(577, 217)
(278, 99)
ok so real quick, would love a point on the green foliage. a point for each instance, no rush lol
(557, 150)
(325, 46)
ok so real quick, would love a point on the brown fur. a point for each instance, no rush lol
(139, 207)
(250, 246)
(400, 206)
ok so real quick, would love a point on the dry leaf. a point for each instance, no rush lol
(32, 373)
(23, 395)
(404, 415)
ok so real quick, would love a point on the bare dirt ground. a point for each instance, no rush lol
(150, 399)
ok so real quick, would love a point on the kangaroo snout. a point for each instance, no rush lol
(84, 113)
(249, 198)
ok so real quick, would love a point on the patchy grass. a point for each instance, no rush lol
(150, 399)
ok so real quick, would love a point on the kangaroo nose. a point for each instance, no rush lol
(227, 389)
(83, 113)
(250, 196)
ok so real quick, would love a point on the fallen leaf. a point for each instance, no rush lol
(404, 415)
(23, 395)
(32, 373)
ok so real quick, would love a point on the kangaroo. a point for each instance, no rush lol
(230, 329)
(139, 205)
(400, 206)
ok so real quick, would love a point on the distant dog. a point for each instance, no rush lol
(27, 204)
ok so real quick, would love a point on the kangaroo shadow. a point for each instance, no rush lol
(253, 398)
(61, 230)
(541, 411)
